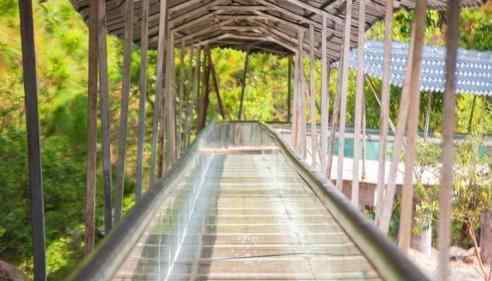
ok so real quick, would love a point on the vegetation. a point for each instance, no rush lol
(61, 38)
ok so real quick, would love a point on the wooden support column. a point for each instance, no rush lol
(314, 129)
(243, 86)
(105, 113)
(158, 91)
(325, 98)
(344, 93)
(289, 89)
(384, 208)
(385, 99)
(180, 100)
(359, 96)
(412, 126)
(90, 192)
(35, 175)
(170, 86)
(216, 87)
(204, 97)
(144, 45)
(448, 150)
(300, 106)
(125, 93)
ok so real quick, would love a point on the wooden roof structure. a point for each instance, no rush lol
(256, 25)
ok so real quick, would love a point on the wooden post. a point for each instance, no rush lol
(344, 93)
(170, 85)
(243, 86)
(412, 126)
(428, 115)
(144, 45)
(90, 192)
(385, 99)
(105, 113)
(334, 122)
(449, 126)
(300, 106)
(35, 176)
(158, 91)
(189, 101)
(325, 98)
(486, 236)
(180, 101)
(358, 105)
(216, 87)
(125, 93)
(314, 134)
(472, 113)
(289, 89)
(204, 97)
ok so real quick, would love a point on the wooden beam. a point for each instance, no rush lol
(90, 191)
(125, 94)
(383, 215)
(158, 90)
(105, 114)
(447, 156)
(216, 87)
(344, 93)
(325, 99)
(35, 175)
(204, 97)
(359, 95)
(170, 90)
(243, 86)
(144, 45)
(312, 89)
(385, 99)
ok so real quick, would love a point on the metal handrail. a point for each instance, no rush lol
(387, 259)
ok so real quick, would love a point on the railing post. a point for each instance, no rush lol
(35, 176)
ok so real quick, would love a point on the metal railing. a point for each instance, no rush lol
(167, 219)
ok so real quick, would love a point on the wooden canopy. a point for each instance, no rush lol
(255, 25)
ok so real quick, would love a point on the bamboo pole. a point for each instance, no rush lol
(105, 113)
(158, 90)
(125, 93)
(358, 105)
(412, 126)
(90, 192)
(447, 156)
(385, 99)
(243, 86)
(325, 99)
(35, 175)
(314, 129)
(344, 93)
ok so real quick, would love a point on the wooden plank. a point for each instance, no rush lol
(358, 106)
(385, 98)
(344, 93)
(35, 175)
(144, 45)
(215, 79)
(325, 99)
(314, 129)
(448, 153)
(158, 91)
(90, 192)
(105, 114)
(243, 86)
(412, 126)
(125, 93)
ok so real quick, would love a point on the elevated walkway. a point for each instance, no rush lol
(240, 206)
